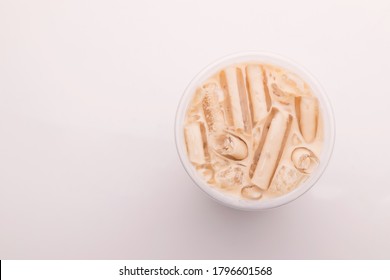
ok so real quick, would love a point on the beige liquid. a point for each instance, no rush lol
(254, 131)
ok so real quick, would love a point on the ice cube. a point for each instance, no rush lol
(251, 192)
(286, 179)
(206, 172)
(296, 140)
(304, 160)
(230, 177)
(230, 146)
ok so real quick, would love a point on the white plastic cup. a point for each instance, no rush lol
(262, 58)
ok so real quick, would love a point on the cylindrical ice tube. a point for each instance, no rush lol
(212, 112)
(271, 150)
(232, 97)
(307, 114)
(257, 94)
(194, 143)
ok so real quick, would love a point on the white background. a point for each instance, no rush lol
(88, 94)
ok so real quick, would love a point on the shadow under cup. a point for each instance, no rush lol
(324, 107)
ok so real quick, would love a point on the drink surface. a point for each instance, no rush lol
(254, 131)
